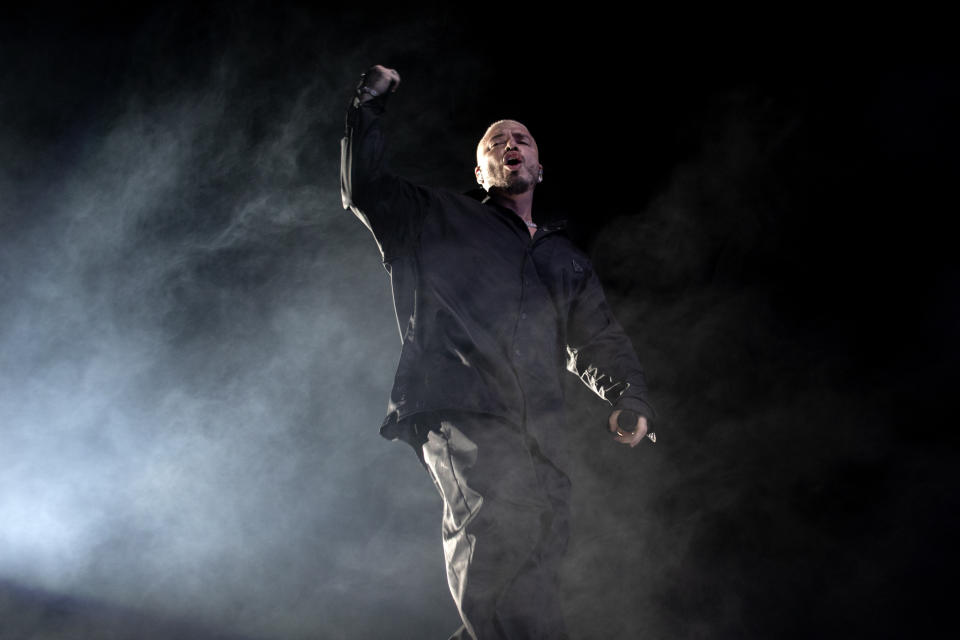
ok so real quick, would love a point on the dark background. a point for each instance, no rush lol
(198, 343)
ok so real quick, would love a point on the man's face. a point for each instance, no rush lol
(508, 158)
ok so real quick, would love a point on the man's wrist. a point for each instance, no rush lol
(638, 406)
(364, 93)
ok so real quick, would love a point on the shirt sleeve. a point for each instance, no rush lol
(391, 207)
(601, 354)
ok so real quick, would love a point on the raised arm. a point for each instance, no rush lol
(390, 207)
(602, 356)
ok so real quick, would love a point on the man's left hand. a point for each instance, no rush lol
(632, 439)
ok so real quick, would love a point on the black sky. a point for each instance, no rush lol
(767, 199)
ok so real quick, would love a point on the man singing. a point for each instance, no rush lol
(491, 308)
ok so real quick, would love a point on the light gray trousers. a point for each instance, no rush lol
(505, 525)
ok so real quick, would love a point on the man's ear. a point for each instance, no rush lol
(479, 173)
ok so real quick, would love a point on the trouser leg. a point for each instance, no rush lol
(505, 527)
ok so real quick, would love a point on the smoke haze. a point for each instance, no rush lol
(198, 341)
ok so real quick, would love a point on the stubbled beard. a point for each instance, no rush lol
(512, 187)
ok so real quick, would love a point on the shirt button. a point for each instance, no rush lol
(523, 316)
(516, 351)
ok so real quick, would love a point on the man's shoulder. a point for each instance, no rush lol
(557, 235)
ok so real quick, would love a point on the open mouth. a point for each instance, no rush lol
(512, 159)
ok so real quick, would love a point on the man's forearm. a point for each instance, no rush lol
(361, 150)
(391, 207)
(601, 354)
(360, 153)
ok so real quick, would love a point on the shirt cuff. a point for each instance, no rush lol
(638, 406)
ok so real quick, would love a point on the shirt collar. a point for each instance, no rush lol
(484, 198)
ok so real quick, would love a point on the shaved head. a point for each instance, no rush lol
(508, 160)
(493, 128)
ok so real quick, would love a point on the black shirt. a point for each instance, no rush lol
(488, 315)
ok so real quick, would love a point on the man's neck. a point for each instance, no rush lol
(520, 203)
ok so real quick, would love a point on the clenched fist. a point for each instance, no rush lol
(377, 80)
(632, 433)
